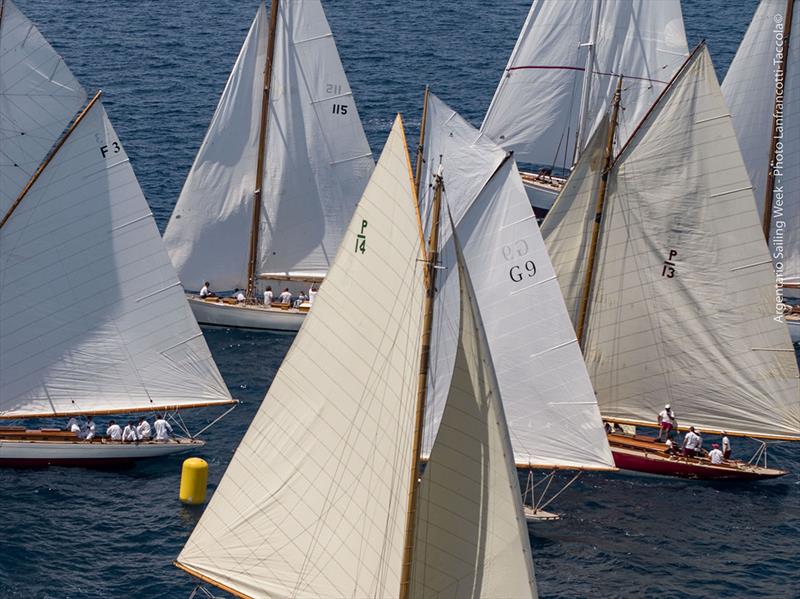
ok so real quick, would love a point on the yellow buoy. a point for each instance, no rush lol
(194, 478)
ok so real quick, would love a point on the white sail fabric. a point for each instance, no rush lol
(682, 304)
(208, 233)
(317, 159)
(547, 395)
(535, 109)
(314, 502)
(39, 97)
(749, 90)
(92, 317)
(471, 538)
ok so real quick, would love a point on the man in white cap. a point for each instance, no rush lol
(666, 422)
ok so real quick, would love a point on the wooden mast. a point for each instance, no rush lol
(598, 216)
(779, 97)
(421, 145)
(422, 382)
(262, 142)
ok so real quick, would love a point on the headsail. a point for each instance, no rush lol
(92, 318)
(749, 90)
(535, 109)
(471, 535)
(39, 97)
(331, 444)
(682, 304)
(548, 399)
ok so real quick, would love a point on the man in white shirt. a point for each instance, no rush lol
(726, 446)
(114, 432)
(268, 296)
(143, 430)
(691, 442)
(205, 291)
(129, 434)
(285, 297)
(89, 429)
(666, 422)
(239, 295)
(312, 293)
(715, 455)
(163, 428)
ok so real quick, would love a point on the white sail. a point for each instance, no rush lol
(39, 97)
(749, 90)
(208, 233)
(471, 538)
(314, 502)
(92, 317)
(548, 399)
(682, 304)
(535, 109)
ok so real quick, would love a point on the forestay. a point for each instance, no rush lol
(682, 305)
(39, 97)
(92, 317)
(314, 502)
(749, 90)
(471, 535)
(535, 109)
(548, 399)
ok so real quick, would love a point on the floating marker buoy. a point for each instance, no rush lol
(194, 479)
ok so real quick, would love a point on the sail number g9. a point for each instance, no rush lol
(521, 269)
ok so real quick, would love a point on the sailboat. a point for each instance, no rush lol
(324, 496)
(559, 81)
(92, 318)
(661, 258)
(762, 89)
(553, 417)
(277, 177)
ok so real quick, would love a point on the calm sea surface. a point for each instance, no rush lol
(70, 533)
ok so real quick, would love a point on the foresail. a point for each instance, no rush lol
(324, 515)
(208, 234)
(548, 399)
(92, 317)
(39, 97)
(317, 160)
(471, 536)
(683, 302)
(536, 106)
(749, 90)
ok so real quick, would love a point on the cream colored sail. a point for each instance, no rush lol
(471, 535)
(682, 305)
(314, 502)
(39, 97)
(92, 316)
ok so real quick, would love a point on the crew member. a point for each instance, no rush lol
(691, 442)
(129, 434)
(715, 455)
(666, 422)
(143, 430)
(163, 428)
(726, 446)
(239, 295)
(114, 432)
(206, 291)
(285, 297)
(312, 293)
(268, 296)
(89, 429)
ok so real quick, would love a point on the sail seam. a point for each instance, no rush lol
(312, 39)
(156, 292)
(131, 222)
(343, 160)
(713, 118)
(555, 347)
(761, 263)
(516, 222)
(171, 347)
(542, 282)
(326, 98)
(723, 193)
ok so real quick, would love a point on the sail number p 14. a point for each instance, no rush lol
(361, 238)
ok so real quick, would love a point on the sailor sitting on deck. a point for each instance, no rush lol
(268, 296)
(300, 300)
(285, 296)
(163, 428)
(715, 455)
(73, 426)
(726, 446)
(206, 291)
(114, 432)
(89, 429)
(129, 435)
(666, 422)
(143, 430)
(691, 442)
(239, 295)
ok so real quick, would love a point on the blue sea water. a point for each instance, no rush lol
(73, 533)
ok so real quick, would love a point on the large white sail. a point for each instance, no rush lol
(92, 317)
(749, 90)
(682, 304)
(471, 535)
(314, 502)
(547, 395)
(536, 107)
(39, 97)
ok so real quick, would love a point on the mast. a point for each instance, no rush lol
(780, 87)
(598, 216)
(262, 142)
(587, 81)
(422, 384)
(421, 145)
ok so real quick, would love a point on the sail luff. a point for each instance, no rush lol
(587, 81)
(421, 145)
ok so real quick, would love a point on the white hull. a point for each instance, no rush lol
(82, 453)
(541, 193)
(245, 316)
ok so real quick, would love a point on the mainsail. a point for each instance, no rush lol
(316, 160)
(750, 89)
(548, 398)
(39, 96)
(537, 106)
(682, 299)
(92, 317)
